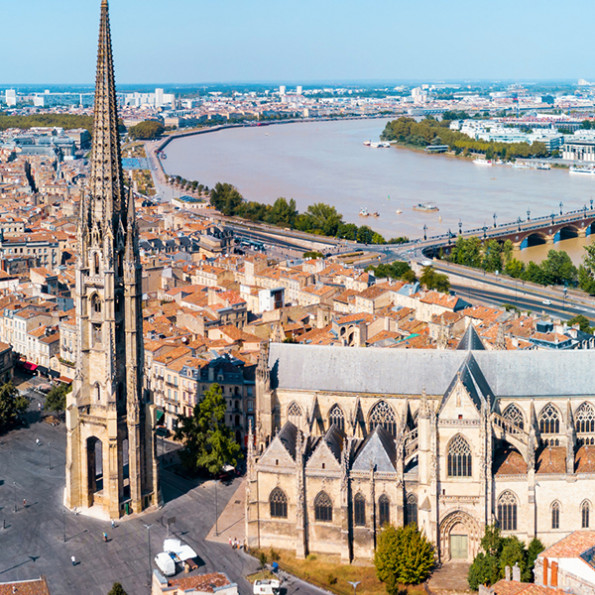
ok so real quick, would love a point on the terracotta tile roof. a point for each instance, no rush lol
(552, 459)
(572, 546)
(510, 462)
(585, 459)
(37, 586)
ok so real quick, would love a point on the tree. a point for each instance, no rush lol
(12, 406)
(558, 268)
(433, 280)
(534, 549)
(365, 235)
(147, 130)
(283, 212)
(320, 218)
(513, 552)
(584, 324)
(208, 443)
(226, 198)
(586, 272)
(485, 570)
(117, 589)
(403, 556)
(56, 398)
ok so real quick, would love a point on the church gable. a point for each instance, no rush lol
(327, 454)
(281, 451)
(378, 451)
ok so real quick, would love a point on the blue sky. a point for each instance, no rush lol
(193, 41)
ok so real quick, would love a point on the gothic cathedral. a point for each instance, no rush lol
(111, 468)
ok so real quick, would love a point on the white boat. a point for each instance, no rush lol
(367, 143)
(582, 171)
(520, 166)
(398, 212)
(364, 212)
(425, 207)
(483, 162)
(545, 166)
(380, 145)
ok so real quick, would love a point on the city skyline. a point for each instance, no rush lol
(187, 42)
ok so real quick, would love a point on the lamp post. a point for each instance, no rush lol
(50, 456)
(528, 215)
(425, 232)
(14, 485)
(354, 584)
(216, 512)
(561, 205)
(591, 201)
(495, 217)
(460, 227)
(519, 222)
(485, 229)
(553, 216)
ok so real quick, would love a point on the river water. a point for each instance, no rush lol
(328, 162)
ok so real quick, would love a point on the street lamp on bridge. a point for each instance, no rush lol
(591, 201)
(460, 227)
(425, 232)
(561, 205)
(553, 216)
(495, 217)
(485, 229)
(519, 222)
(528, 215)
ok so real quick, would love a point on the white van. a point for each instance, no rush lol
(267, 587)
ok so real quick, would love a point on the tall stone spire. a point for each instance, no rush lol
(110, 462)
(106, 185)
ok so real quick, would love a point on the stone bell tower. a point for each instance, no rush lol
(110, 461)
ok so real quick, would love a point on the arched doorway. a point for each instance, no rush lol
(94, 465)
(459, 537)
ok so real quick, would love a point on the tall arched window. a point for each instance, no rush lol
(336, 417)
(585, 513)
(382, 414)
(556, 515)
(514, 415)
(549, 420)
(383, 510)
(585, 419)
(359, 511)
(459, 457)
(278, 504)
(411, 510)
(323, 508)
(294, 414)
(507, 511)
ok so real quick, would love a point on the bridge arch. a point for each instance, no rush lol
(567, 232)
(536, 238)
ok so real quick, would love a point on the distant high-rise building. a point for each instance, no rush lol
(158, 97)
(298, 90)
(10, 97)
(282, 90)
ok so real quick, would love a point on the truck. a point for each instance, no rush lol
(269, 586)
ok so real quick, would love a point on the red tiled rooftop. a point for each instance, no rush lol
(572, 546)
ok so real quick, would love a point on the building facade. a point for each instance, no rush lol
(110, 462)
(348, 439)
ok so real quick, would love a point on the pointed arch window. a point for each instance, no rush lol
(549, 420)
(585, 419)
(278, 504)
(323, 508)
(359, 510)
(556, 515)
(294, 410)
(459, 457)
(383, 510)
(382, 414)
(95, 304)
(411, 510)
(507, 511)
(336, 417)
(515, 416)
(585, 514)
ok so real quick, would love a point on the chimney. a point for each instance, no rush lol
(554, 574)
(516, 573)
(507, 572)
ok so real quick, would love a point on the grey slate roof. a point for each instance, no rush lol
(334, 438)
(288, 436)
(470, 340)
(378, 448)
(473, 380)
(515, 374)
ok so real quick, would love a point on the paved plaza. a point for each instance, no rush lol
(41, 536)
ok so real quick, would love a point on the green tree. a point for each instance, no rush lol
(584, 324)
(12, 406)
(558, 268)
(208, 443)
(586, 272)
(56, 398)
(347, 231)
(485, 570)
(283, 212)
(513, 552)
(403, 556)
(147, 130)
(514, 268)
(117, 589)
(320, 218)
(365, 235)
(433, 280)
(534, 549)
(226, 198)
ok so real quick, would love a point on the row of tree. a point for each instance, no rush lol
(318, 218)
(66, 121)
(556, 269)
(497, 553)
(189, 185)
(12, 407)
(146, 130)
(431, 132)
